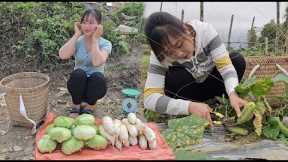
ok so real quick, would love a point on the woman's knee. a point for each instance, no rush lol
(98, 82)
(78, 73)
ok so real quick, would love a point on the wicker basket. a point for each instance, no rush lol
(268, 68)
(33, 87)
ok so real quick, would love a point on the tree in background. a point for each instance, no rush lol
(268, 31)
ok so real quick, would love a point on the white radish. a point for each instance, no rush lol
(117, 124)
(152, 144)
(125, 121)
(124, 135)
(140, 126)
(107, 135)
(126, 143)
(149, 134)
(142, 142)
(132, 118)
(132, 130)
(108, 124)
(118, 144)
(133, 140)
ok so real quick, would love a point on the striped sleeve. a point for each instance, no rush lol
(154, 97)
(221, 58)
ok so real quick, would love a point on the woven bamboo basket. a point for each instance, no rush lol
(268, 68)
(33, 87)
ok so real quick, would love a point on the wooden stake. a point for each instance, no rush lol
(230, 29)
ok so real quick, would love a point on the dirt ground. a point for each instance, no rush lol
(17, 143)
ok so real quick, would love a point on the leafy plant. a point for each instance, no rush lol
(255, 90)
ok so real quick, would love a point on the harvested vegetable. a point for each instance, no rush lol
(142, 142)
(152, 144)
(124, 135)
(64, 121)
(109, 137)
(49, 128)
(132, 118)
(118, 144)
(72, 145)
(46, 144)
(97, 142)
(117, 124)
(133, 140)
(140, 126)
(84, 132)
(85, 119)
(149, 134)
(108, 125)
(132, 130)
(59, 134)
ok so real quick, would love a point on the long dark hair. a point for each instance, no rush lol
(158, 27)
(93, 12)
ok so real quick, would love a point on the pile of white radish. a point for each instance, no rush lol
(128, 132)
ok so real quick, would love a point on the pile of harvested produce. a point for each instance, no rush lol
(185, 131)
(71, 135)
(128, 131)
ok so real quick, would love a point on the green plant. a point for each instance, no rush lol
(254, 90)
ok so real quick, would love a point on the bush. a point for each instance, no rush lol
(38, 29)
(44, 27)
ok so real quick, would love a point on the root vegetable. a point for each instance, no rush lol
(109, 137)
(125, 121)
(108, 125)
(142, 142)
(117, 124)
(124, 135)
(133, 140)
(132, 118)
(132, 130)
(140, 126)
(118, 144)
(149, 134)
(152, 144)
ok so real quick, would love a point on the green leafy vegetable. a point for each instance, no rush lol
(64, 121)
(72, 145)
(59, 134)
(46, 144)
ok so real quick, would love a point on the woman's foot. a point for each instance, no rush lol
(74, 111)
(88, 109)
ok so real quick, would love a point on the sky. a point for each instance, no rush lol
(219, 14)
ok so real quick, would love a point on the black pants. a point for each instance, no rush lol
(177, 77)
(86, 89)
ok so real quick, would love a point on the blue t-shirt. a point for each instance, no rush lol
(83, 58)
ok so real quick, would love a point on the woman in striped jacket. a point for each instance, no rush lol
(188, 65)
